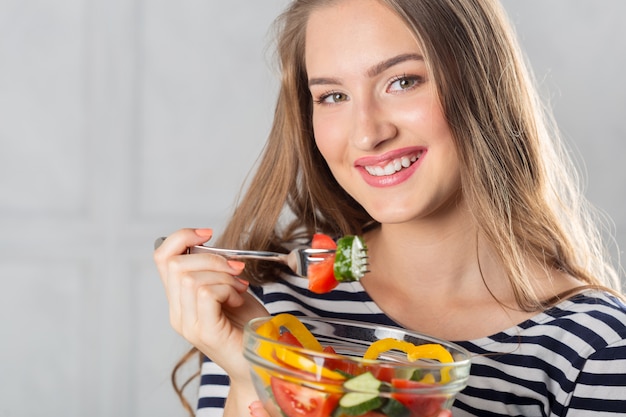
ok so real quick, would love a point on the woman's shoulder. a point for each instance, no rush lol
(588, 309)
(587, 322)
(569, 355)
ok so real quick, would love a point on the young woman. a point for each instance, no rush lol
(414, 123)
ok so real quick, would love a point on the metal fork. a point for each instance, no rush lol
(297, 260)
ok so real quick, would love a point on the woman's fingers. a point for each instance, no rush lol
(199, 269)
(178, 242)
(188, 274)
(257, 410)
(208, 303)
(202, 302)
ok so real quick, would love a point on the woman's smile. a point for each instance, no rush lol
(390, 168)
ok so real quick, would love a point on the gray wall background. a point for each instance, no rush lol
(121, 121)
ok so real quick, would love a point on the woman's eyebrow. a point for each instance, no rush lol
(323, 81)
(388, 63)
(373, 71)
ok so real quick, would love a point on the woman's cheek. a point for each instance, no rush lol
(330, 139)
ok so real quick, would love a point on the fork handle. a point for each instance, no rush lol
(239, 254)
(231, 253)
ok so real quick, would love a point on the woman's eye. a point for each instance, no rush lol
(332, 98)
(404, 83)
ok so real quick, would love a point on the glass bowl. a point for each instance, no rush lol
(293, 381)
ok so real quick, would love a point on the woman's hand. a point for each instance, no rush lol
(208, 303)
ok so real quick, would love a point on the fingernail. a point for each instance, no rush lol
(204, 232)
(256, 409)
(254, 405)
(243, 282)
(236, 265)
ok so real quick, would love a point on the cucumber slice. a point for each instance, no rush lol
(364, 383)
(394, 408)
(358, 403)
(350, 260)
(364, 395)
(417, 375)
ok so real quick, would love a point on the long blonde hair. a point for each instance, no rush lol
(520, 185)
(519, 182)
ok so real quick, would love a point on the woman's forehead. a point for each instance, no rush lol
(357, 32)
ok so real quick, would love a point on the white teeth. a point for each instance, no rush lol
(393, 166)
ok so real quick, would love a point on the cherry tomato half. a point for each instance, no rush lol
(298, 401)
(321, 275)
(420, 406)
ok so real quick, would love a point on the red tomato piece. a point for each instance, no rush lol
(329, 349)
(345, 366)
(322, 241)
(420, 406)
(321, 275)
(382, 373)
(298, 401)
(288, 338)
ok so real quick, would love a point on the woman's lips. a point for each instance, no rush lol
(391, 168)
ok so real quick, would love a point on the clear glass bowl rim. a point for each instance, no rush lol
(455, 385)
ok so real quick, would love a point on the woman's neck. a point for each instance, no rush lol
(445, 279)
(439, 277)
(441, 249)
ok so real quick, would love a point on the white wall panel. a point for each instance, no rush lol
(205, 104)
(156, 347)
(45, 354)
(42, 82)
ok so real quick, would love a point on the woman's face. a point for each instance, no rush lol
(376, 116)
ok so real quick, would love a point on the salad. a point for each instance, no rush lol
(336, 387)
(349, 263)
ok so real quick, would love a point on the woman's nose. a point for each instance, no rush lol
(372, 126)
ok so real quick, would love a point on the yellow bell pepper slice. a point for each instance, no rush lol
(303, 363)
(428, 379)
(384, 345)
(299, 330)
(271, 330)
(430, 351)
(413, 352)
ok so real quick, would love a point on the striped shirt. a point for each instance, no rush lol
(569, 360)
